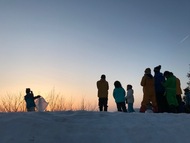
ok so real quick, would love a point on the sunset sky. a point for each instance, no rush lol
(67, 44)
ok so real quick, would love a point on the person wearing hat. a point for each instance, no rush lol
(148, 92)
(160, 90)
(103, 88)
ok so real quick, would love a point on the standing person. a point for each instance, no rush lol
(178, 95)
(148, 92)
(170, 86)
(159, 90)
(103, 88)
(187, 100)
(119, 96)
(29, 98)
(130, 98)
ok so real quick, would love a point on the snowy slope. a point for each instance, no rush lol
(94, 127)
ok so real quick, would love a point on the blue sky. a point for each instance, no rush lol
(68, 44)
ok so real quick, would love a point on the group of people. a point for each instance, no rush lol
(119, 94)
(161, 93)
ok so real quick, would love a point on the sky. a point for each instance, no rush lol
(94, 127)
(65, 45)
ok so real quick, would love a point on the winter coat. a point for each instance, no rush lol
(103, 88)
(149, 90)
(130, 97)
(178, 87)
(148, 85)
(170, 86)
(119, 95)
(187, 98)
(158, 80)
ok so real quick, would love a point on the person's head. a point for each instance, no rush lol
(129, 87)
(167, 74)
(103, 76)
(157, 69)
(117, 84)
(186, 90)
(28, 90)
(147, 71)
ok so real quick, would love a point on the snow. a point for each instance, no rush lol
(93, 127)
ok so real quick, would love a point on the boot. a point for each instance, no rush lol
(101, 108)
(155, 109)
(142, 109)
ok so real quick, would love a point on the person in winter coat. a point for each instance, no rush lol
(103, 88)
(178, 94)
(170, 86)
(148, 92)
(187, 100)
(29, 98)
(119, 96)
(130, 98)
(160, 90)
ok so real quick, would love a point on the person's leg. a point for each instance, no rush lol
(154, 103)
(100, 104)
(179, 100)
(123, 106)
(119, 107)
(130, 107)
(31, 109)
(105, 104)
(144, 103)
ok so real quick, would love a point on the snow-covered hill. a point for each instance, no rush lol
(94, 127)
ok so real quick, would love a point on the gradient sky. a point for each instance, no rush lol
(67, 44)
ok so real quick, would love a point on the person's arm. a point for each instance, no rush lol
(37, 97)
(143, 81)
(107, 86)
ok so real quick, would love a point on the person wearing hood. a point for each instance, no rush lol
(148, 92)
(119, 96)
(160, 90)
(171, 91)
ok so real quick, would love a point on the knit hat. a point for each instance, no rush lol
(157, 68)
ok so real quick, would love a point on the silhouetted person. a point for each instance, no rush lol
(119, 96)
(178, 94)
(160, 90)
(103, 88)
(29, 98)
(148, 91)
(130, 98)
(187, 100)
(171, 91)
